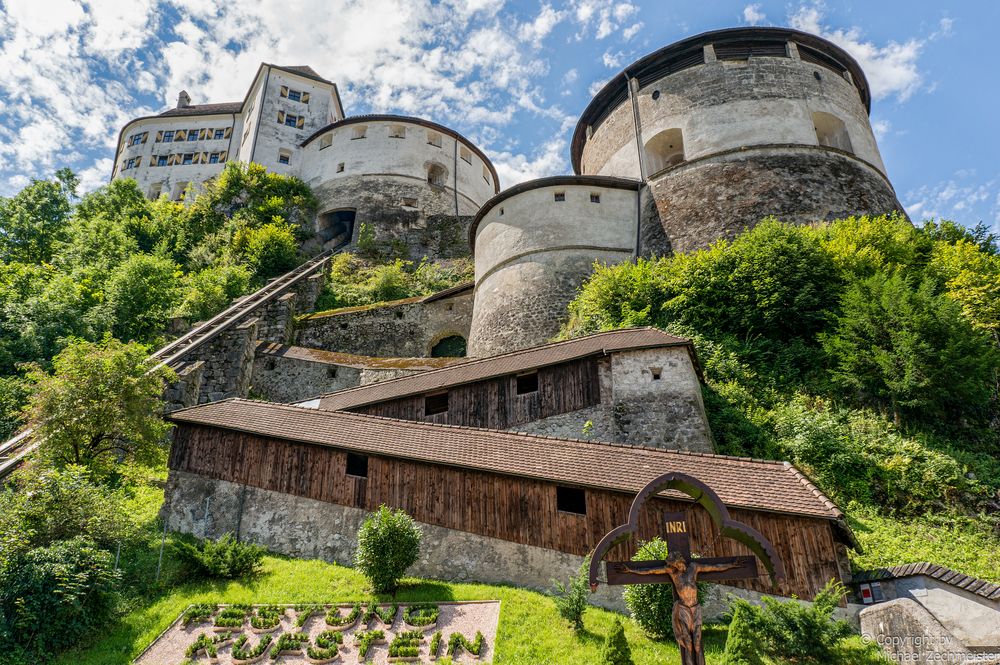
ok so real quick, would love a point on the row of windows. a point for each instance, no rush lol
(184, 159)
(568, 499)
(203, 134)
(560, 197)
(399, 132)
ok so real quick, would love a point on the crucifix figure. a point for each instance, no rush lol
(680, 569)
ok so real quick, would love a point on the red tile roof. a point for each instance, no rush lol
(768, 486)
(509, 363)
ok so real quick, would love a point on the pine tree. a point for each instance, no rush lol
(616, 650)
(740, 645)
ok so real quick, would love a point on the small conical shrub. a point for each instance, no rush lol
(616, 650)
(741, 648)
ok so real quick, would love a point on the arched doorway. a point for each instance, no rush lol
(453, 346)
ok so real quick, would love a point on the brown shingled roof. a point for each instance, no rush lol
(205, 109)
(508, 363)
(983, 588)
(745, 483)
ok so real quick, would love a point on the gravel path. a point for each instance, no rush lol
(465, 618)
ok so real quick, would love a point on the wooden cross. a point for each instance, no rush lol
(680, 569)
(683, 571)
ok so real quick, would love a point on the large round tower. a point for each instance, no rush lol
(731, 126)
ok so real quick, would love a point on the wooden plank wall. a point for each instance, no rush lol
(510, 508)
(495, 404)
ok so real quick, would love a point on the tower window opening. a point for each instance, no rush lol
(435, 404)
(501, 212)
(466, 155)
(831, 131)
(357, 465)
(571, 500)
(397, 132)
(656, 373)
(409, 202)
(433, 138)
(326, 141)
(340, 167)
(595, 198)
(437, 175)
(359, 132)
(527, 383)
(155, 190)
(664, 150)
(284, 156)
(486, 175)
(560, 196)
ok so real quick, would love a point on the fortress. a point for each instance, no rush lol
(517, 458)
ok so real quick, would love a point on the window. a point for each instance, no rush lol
(192, 135)
(219, 134)
(331, 371)
(397, 132)
(527, 383)
(340, 167)
(466, 154)
(168, 136)
(435, 404)
(129, 164)
(357, 465)
(136, 139)
(291, 120)
(452, 346)
(437, 175)
(560, 196)
(284, 156)
(155, 190)
(665, 149)
(595, 198)
(325, 141)
(188, 158)
(213, 158)
(359, 132)
(294, 96)
(180, 189)
(486, 175)
(656, 372)
(434, 138)
(501, 212)
(571, 500)
(831, 131)
(409, 202)
(161, 160)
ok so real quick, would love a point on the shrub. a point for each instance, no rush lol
(651, 605)
(225, 558)
(198, 613)
(421, 615)
(365, 639)
(241, 651)
(792, 631)
(269, 250)
(406, 644)
(741, 644)
(458, 642)
(388, 544)
(573, 599)
(52, 597)
(616, 650)
(335, 618)
(140, 294)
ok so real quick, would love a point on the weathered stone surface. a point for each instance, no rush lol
(719, 197)
(909, 633)
(406, 329)
(228, 362)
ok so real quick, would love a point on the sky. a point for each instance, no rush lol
(512, 76)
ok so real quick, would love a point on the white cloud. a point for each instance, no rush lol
(962, 198)
(612, 61)
(753, 15)
(601, 17)
(549, 159)
(881, 128)
(596, 86)
(96, 175)
(891, 69)
(538, 30)
(631, 31)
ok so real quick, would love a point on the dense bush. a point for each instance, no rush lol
(790, 630)
(573, 599)
(268, 250)
(741, 642)
(225, 558)
(616, 650)
(53, 597)
(388, 544)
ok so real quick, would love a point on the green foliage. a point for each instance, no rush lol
(652, 605)
(100, 406)
(406, 644)
(225, 558)
(205, 644)
(435, 647)
(266, 616)
(32, 221)
(364, 639)
(327, 645)
(421, 614)
(288, 642)
(573, 599)
(233, 616)
(243, 651)
(354, 282)
(741, 644)
(140, 294)
(906, 349)
(198, 612)
(388, 544)
(792, 631)
(14, 391)
(459, 642)
(616, 650)
(268, 250)
(53, 597)
(209, 291)
(336, 618)
(366, 244)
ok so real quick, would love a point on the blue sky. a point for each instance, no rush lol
(512, 76)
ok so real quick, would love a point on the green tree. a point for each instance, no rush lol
(33, 220)
(209, 291)
(573, 599)
(388, 544)
(616, 650)
(269, 250)
(907, 350)
(741, 642)
(140, 295)
(101, 404)
(13, 397)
